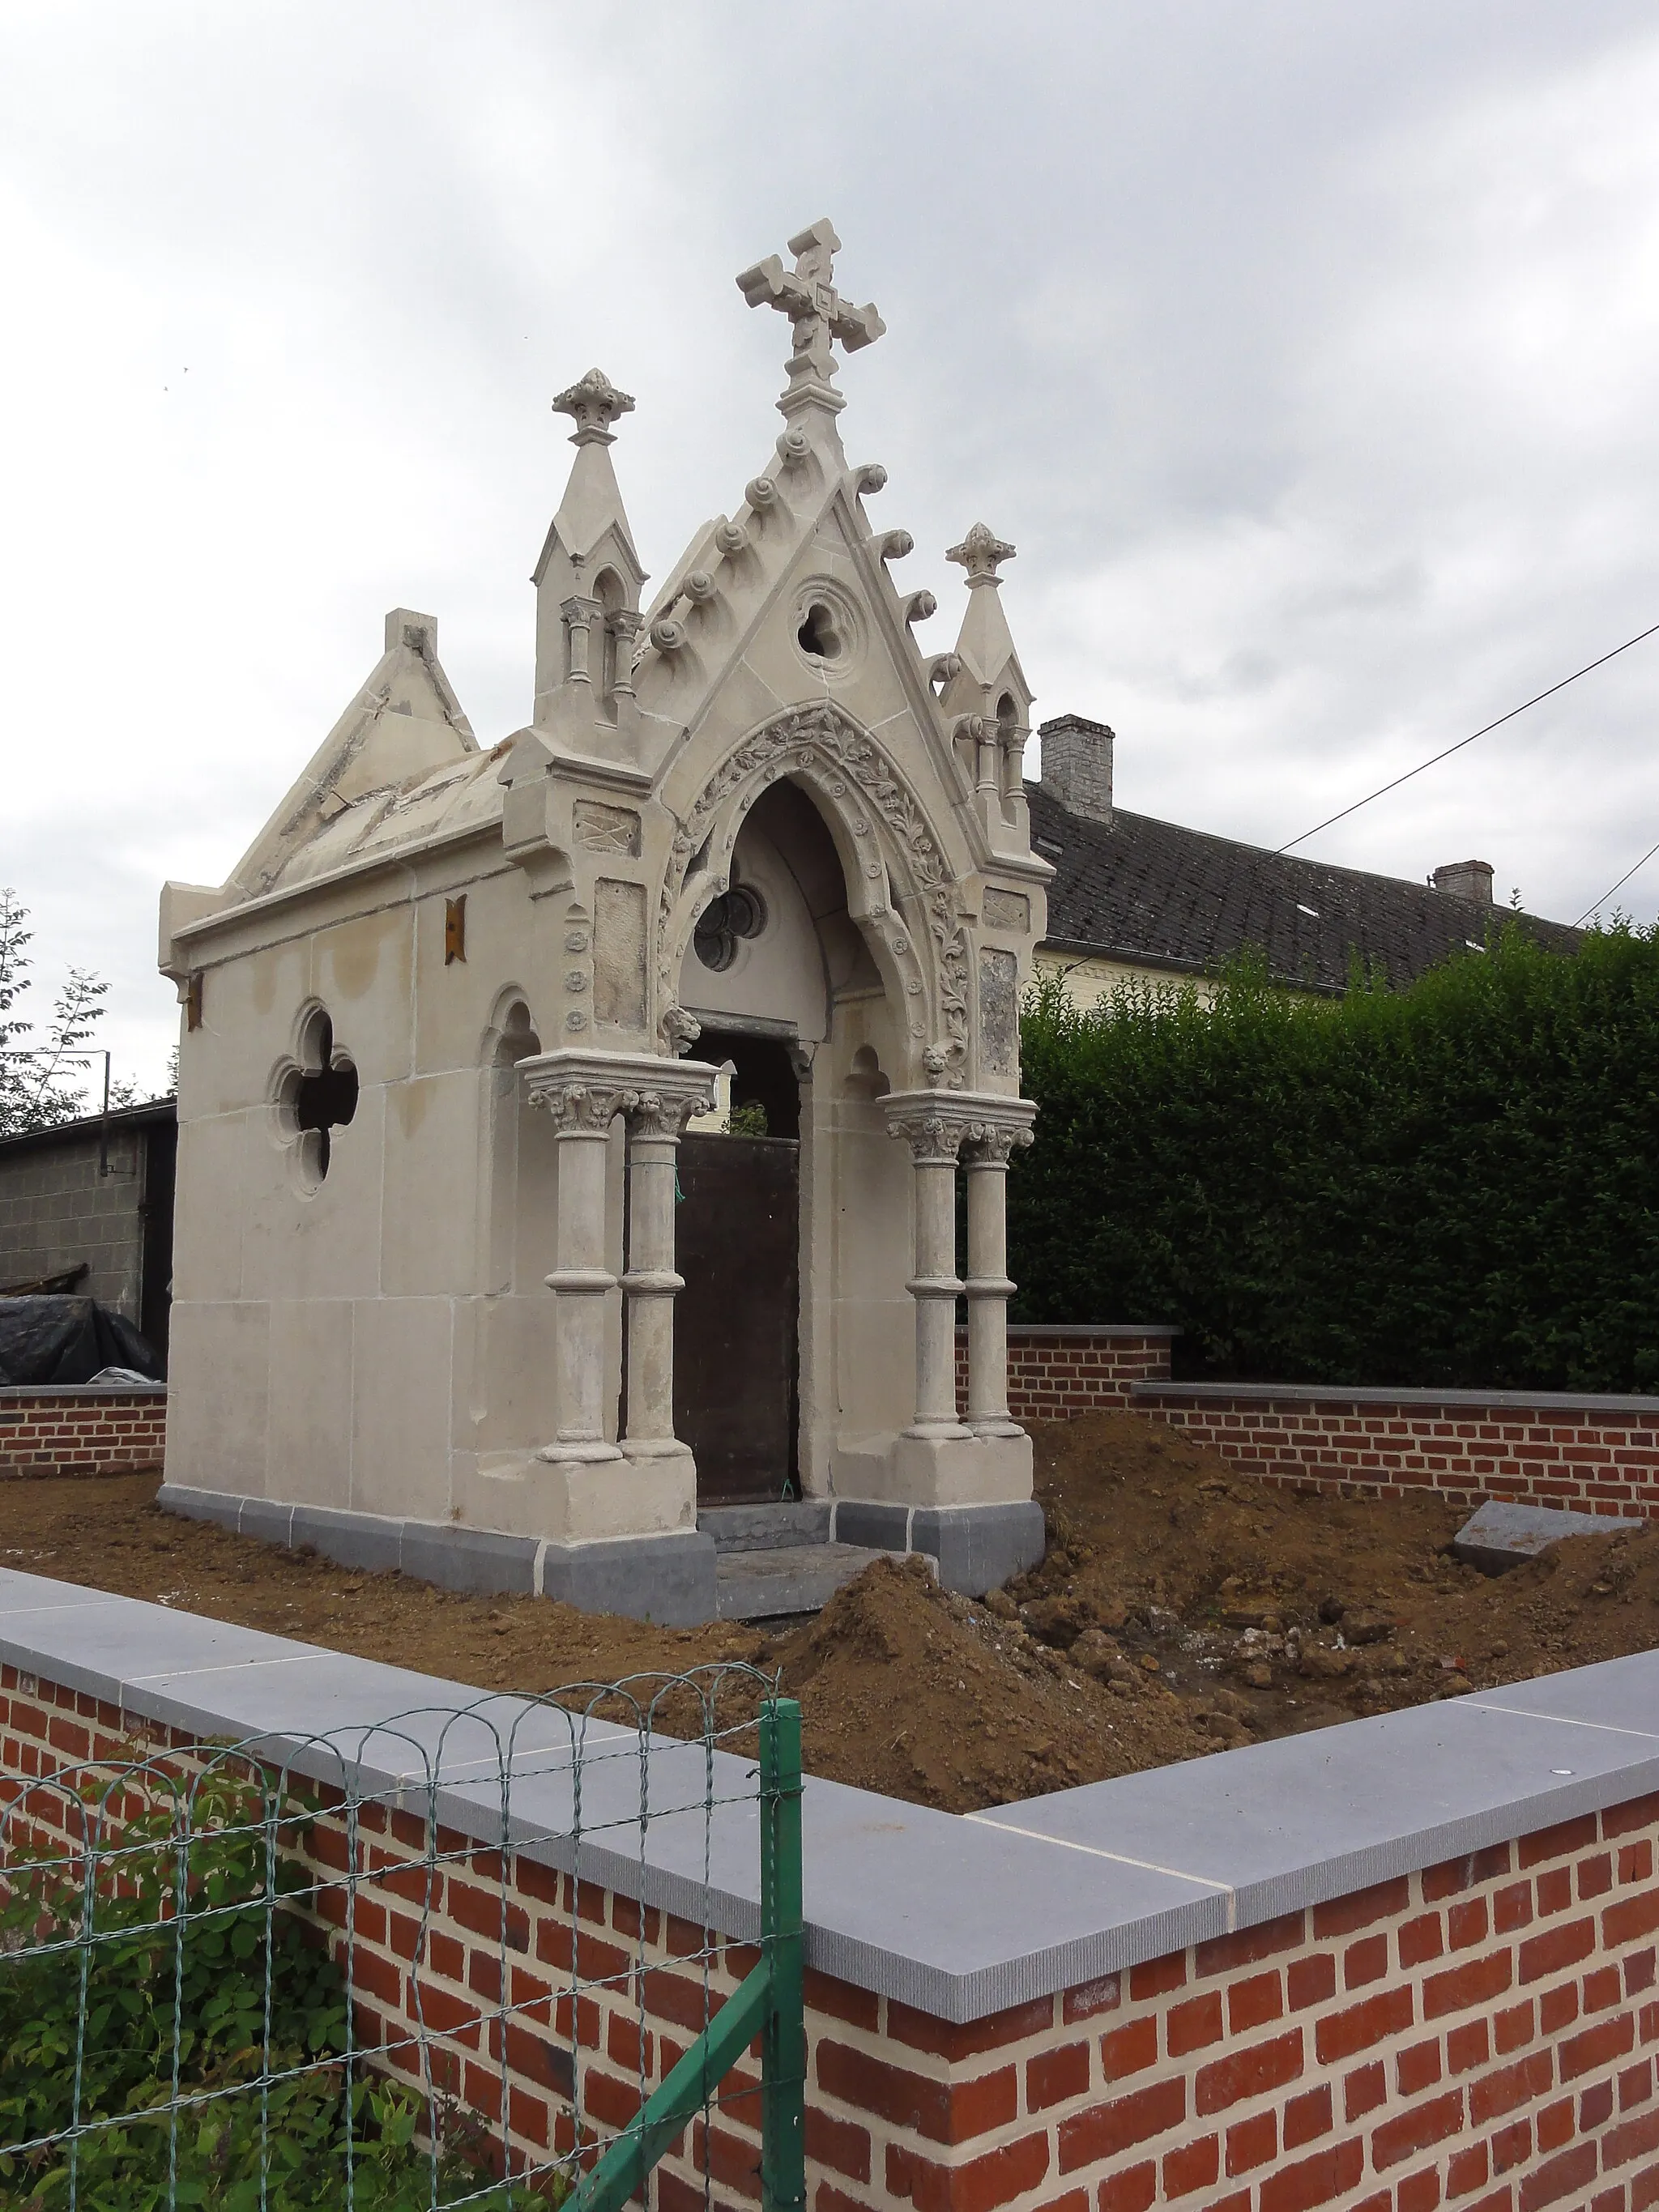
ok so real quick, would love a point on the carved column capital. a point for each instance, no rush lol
(584, 1092)
(579, 1108)
(991, 1144)
(935, 1138)
(662, 1114)
(937, 1125)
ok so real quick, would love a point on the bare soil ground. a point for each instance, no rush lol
(1182, 1608)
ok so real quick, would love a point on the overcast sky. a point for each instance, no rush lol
(1307, 354)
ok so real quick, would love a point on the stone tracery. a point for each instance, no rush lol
(816, 741)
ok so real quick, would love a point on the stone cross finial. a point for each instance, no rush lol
(808, 296)
(595, 403)
(981, 554)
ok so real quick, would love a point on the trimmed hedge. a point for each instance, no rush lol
(1453, 1183)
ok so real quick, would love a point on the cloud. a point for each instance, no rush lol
(1306, 355)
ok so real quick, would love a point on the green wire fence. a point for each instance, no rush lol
(454, 1957)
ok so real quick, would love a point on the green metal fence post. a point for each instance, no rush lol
(783, 2041)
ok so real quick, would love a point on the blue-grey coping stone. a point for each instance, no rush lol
(875, 1526)
(667, 1578)
(1088, 1328)
(1500, 1403)
(1501, 1535)
(979, 1547)
(958, 1914)
(974, 1549)
(10, 1392)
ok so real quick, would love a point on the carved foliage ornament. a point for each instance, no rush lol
(588, 1110)
(655, 1114)
(579, 1109)
(993, 1141)
(820, 733)
(935, 1138)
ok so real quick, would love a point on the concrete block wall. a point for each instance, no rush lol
(55, 1211)
(81, 1429)
(1418, 1969)
(1055, 1373)
(1596, 1455)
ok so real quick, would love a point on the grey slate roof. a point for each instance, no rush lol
(1155, 894)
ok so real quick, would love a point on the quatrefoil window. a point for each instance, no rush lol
(315, 1099)
(739, 913)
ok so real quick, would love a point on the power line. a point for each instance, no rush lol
(1619, 886)
(1470, 739)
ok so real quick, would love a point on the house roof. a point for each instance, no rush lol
(1159, 896)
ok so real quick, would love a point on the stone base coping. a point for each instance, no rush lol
(1633, 1407)
(957, 1916)
(1108, 1330)
(976, 1547)
(144, 1393)
(668, 1577)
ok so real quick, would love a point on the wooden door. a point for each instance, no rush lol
(737, 1231)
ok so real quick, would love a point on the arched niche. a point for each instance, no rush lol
(783, 946)
(519, 1164)
(898, 888)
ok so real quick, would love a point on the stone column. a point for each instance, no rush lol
(988, 1147)
(584, 1103)
(585, 1090)
(1013, 763)
(934, 1137)
(624, 625)
(655, 1123)
(579, 615)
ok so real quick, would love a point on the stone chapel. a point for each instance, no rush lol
(570, 1128)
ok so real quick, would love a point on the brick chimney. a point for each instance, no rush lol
(1077, 767)
(1464, 879)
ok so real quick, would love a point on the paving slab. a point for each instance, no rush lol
(762, 1585)
(1502, 1534)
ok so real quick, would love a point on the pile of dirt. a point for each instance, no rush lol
(1272, 1611)
(109, 1534)
(923, 1694)
(1182, 1608)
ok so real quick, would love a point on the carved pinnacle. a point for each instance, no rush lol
(595, 403)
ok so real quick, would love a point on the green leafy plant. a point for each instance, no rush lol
(170, 2027)
(42, 1077)
(1453, 1183)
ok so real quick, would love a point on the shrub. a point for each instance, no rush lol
(1453, 1183)
(172, 2016)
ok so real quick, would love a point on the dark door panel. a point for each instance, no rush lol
(736, 1244)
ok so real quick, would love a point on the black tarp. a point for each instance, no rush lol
(65, 1340)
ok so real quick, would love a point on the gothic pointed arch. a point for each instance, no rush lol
(902, 892)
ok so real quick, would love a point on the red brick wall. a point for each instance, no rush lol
(1595, 1459)
(1054, 1373)
(47, 1432)
(1481, 2034)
